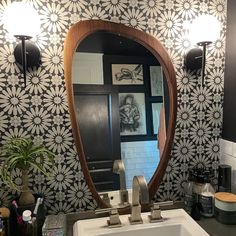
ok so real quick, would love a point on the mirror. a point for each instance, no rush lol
(75, 36)
(118, 95)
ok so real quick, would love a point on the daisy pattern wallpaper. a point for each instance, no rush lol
(40, 109)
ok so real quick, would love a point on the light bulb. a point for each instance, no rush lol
(205, 28)
(21, 19)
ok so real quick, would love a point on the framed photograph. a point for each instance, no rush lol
(156, 108)
(127, 74)
(156, 80)
(132, 114)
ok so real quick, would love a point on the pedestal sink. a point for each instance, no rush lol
(175, 223)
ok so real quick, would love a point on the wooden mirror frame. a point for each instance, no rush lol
(75, 35)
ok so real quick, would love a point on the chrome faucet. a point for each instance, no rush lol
(119, 168)
(139, 190)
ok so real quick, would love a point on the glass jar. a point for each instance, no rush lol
(189, 194)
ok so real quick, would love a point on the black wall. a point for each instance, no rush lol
(229, 107)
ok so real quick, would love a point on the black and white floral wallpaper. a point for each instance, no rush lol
(40, 110)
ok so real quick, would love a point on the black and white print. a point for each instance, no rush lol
(156, 109)
(127, 74)
(40, 110)
(132, 114)
(156, 80)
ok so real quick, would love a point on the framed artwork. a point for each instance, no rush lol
(127, 74)
(156, 108)
(156, 80)
(132, 114)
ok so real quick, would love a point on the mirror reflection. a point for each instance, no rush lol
(122, 108)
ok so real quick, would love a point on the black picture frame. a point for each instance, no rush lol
(127, 74)
(132, 110)
(146, 62)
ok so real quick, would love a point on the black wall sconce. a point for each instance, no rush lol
(203, 31)
(193, 59)
(22, 21)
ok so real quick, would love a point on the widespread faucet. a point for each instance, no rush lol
(119, 168)
(139, 190)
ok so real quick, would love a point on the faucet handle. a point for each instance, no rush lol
(166, 203)
(124, 197)
(105, 198)
(156, 211)
(114, 220)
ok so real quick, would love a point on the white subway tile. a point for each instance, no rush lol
(234, 150)
(140, 158)
(226, 147)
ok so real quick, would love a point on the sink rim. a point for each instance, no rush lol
(98, 226)
(133, 231)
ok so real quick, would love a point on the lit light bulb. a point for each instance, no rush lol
(205, 28)
(21, 19)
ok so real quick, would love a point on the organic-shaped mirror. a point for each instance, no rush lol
(158, 58)
(118, 94)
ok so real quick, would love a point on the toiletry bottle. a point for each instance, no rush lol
(199, 181)
(197, 189)
(2, 230)
(4, 215)
(206, 197)
(35, 215)
(29, 229)
(189, 194)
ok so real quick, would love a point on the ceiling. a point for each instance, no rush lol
(111, 44)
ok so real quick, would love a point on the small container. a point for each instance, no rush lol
(199, 182)
(189, 197)
(204, 194)
(54, 225)
(197, 189)
(2, 230)
(206, 198)
(224, 178)
(225, 208)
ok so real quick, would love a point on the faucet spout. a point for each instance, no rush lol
(140, 190)
(119, 168)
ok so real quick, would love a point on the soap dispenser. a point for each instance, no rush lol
(206, 197)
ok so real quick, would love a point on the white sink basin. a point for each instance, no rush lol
(176, 223)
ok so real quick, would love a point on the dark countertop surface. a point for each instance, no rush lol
(215, 228)
(210, 225)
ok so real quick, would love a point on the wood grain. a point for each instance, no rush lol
(226, 197)
(75, 35)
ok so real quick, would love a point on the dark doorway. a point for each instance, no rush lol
(98, 118)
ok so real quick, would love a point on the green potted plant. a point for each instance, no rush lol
(22, 153)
